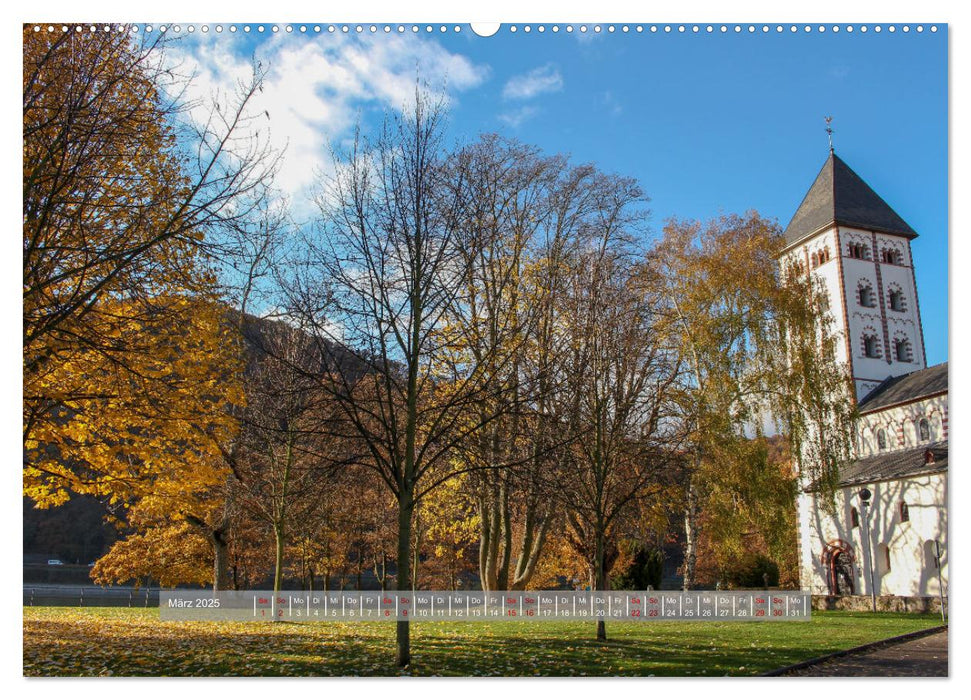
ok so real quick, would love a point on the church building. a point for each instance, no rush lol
(889, 533)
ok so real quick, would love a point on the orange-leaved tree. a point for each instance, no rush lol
(126, 370)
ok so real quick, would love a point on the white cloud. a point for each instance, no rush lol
(536, 82)
(517, 116)
(315, 89)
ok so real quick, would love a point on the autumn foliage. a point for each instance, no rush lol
(476, 368)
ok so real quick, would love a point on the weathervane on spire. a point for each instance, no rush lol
(829, 132)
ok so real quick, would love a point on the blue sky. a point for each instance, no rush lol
(708, 123)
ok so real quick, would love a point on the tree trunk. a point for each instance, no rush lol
(220, 548)
(416, 533)
(220, 558)
(599, 576)
(484, 541)
(381, 571)
(690, 536)
(502, 577)
(402, 632)
(490, 538)
(529, 558)
(278, 561)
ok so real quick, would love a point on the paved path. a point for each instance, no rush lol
(926, 656)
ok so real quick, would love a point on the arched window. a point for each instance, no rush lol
(870, 346)
(859, 251)
(904, 512)
(891, 256)
(854, 518)
(866, 296)
(901, 350)
(924, 430)
(814, 260)
(881, 439)
(824, 255)
(896, 300)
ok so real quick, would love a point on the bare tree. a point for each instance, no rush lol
(507, 194)
(619, 372)
(377, 282)
(284, 456)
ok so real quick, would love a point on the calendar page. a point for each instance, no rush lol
(523, 348)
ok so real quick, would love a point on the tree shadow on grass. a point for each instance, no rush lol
(62, 643)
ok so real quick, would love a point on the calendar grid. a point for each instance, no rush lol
(491, 605)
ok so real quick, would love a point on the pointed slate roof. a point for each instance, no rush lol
(841, 196)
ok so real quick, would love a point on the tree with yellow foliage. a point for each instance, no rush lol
(749, 336)
(127, 369)
(446, 527)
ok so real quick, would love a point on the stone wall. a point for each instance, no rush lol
(885, 603)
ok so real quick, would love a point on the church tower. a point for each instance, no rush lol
(859, 248)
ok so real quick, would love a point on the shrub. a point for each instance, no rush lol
(645, 570)
(749, 572)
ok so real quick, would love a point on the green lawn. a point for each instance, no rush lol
(133, 642)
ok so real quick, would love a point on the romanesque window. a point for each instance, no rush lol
(820, 257)
(891, 256)
(924, 430)
(859, 251)
(904, 512)
(881, 439)
(866, 295)
(871, 347)
(897, 300)
(902, 351)
(854, 518)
